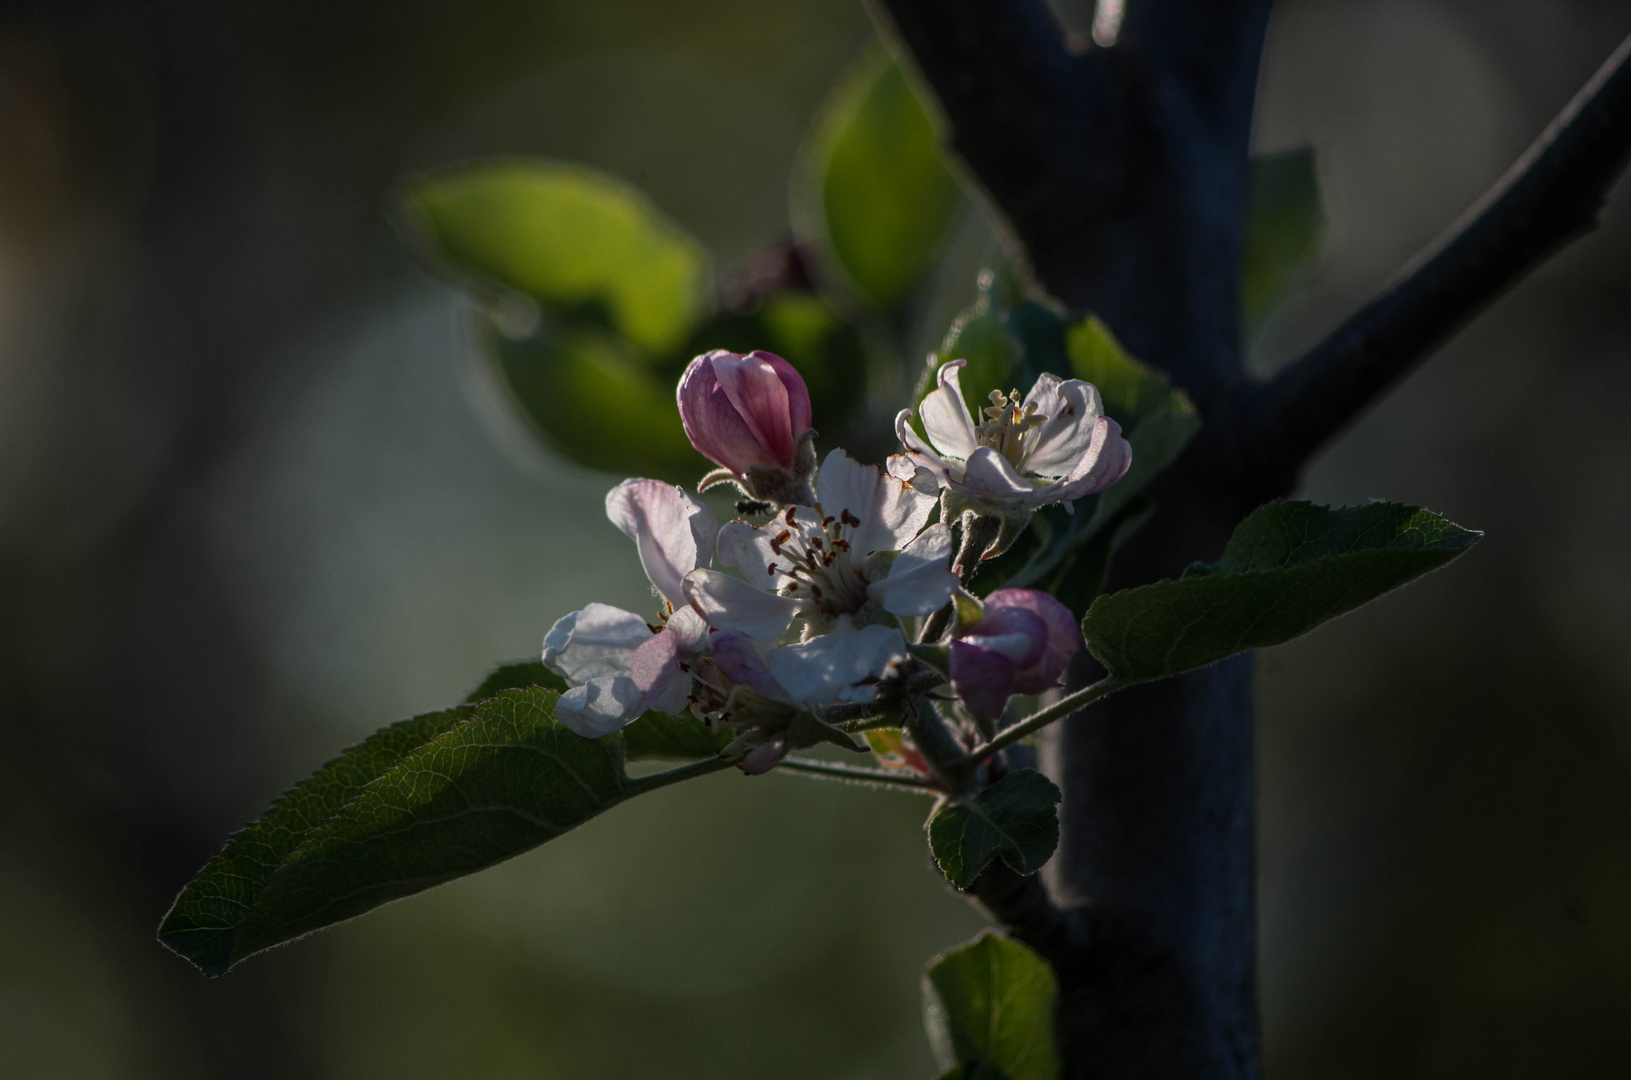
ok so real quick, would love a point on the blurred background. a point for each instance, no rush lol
(259, 495)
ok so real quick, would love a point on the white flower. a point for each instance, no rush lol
(616, 665)
(1055, 446)
(862, 548)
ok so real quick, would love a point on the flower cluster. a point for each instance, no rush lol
(769, 630)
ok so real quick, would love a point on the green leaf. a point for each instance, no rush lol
(516, 676)
(988, 1007)
(1156, 418)
(658, 735)
(1288, 567)
(597, 402)
(1284, 225)
(566, 237)
(202, 924)
(416, 805)
(1013, 818)
(875, 184)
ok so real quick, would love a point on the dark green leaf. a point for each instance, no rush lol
(1288, 567)
(1284, 225)
(988, 1007)
(202, 925)
(1156, 418)
(876, 185)
(595, 401)
(566, 237)
(658, 735)
(414, 806)
(1013, 818)
(517, 676)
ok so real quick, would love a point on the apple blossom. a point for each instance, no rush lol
(1055, 446)
(615, 664)
(750, 414)
(1021, 645)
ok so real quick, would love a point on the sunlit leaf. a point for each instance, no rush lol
(1288, 567)
(1013, 819)
(988, 1007)
(876, 184)
(566, 237)
(1284, 225)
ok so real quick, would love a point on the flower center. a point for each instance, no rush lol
(1009, 427)
(819, 566)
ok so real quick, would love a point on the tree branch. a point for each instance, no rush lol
(1551, 196)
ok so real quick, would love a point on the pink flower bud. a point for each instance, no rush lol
(1021, 646)
(744, 412)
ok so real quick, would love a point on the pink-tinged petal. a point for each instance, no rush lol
(923, 475)
(762, 758)
(1105, 463)
(1064, 635)
(1018, 634)
(798, 395)
(982, 678)
(712, 423)
(594, 642)
(601, 706)
(757, 393)
(919, 451)
(920, 581)
(690, 631)
(891, 513)
(742, 661)
(1073, 410)
(673, 532)
(945, 415)
(838, 666)
(656, 664)
(729, 603)
(989, 475)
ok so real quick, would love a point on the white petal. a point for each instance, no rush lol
(674, 532)
(691, 630)
(1106, 461)
(921, 474)
(890, 511)
(920, 580)
(833, 667)
(945, 416)
(1073, 409)
(919, 452)
(991, 476)
(748, 550)
(729, 603)
(594, 642)
(601, 706)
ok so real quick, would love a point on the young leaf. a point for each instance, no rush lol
(1284, 224)
(874, 183)
(988, 1007)
(594, 400)
(416, 805)
(1156, 418)
(1288, 567)
(1013, 818)
(566, 237)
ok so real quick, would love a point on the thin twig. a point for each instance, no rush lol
(856, 775)
(1551, 196)
(1037, 721)
(643, 784)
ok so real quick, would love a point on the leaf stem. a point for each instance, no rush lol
(857, 775)
(641, 785)
(1037, 721)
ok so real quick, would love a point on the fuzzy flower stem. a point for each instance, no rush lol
(867, 777)
(643, 784)
(980, 531)
(939, 744)
(1037, 721)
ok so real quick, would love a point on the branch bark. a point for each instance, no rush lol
(1550, 197)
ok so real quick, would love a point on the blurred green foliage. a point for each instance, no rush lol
(1285, 223)
(989, 1009)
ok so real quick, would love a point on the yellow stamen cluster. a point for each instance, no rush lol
(1008, 425)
